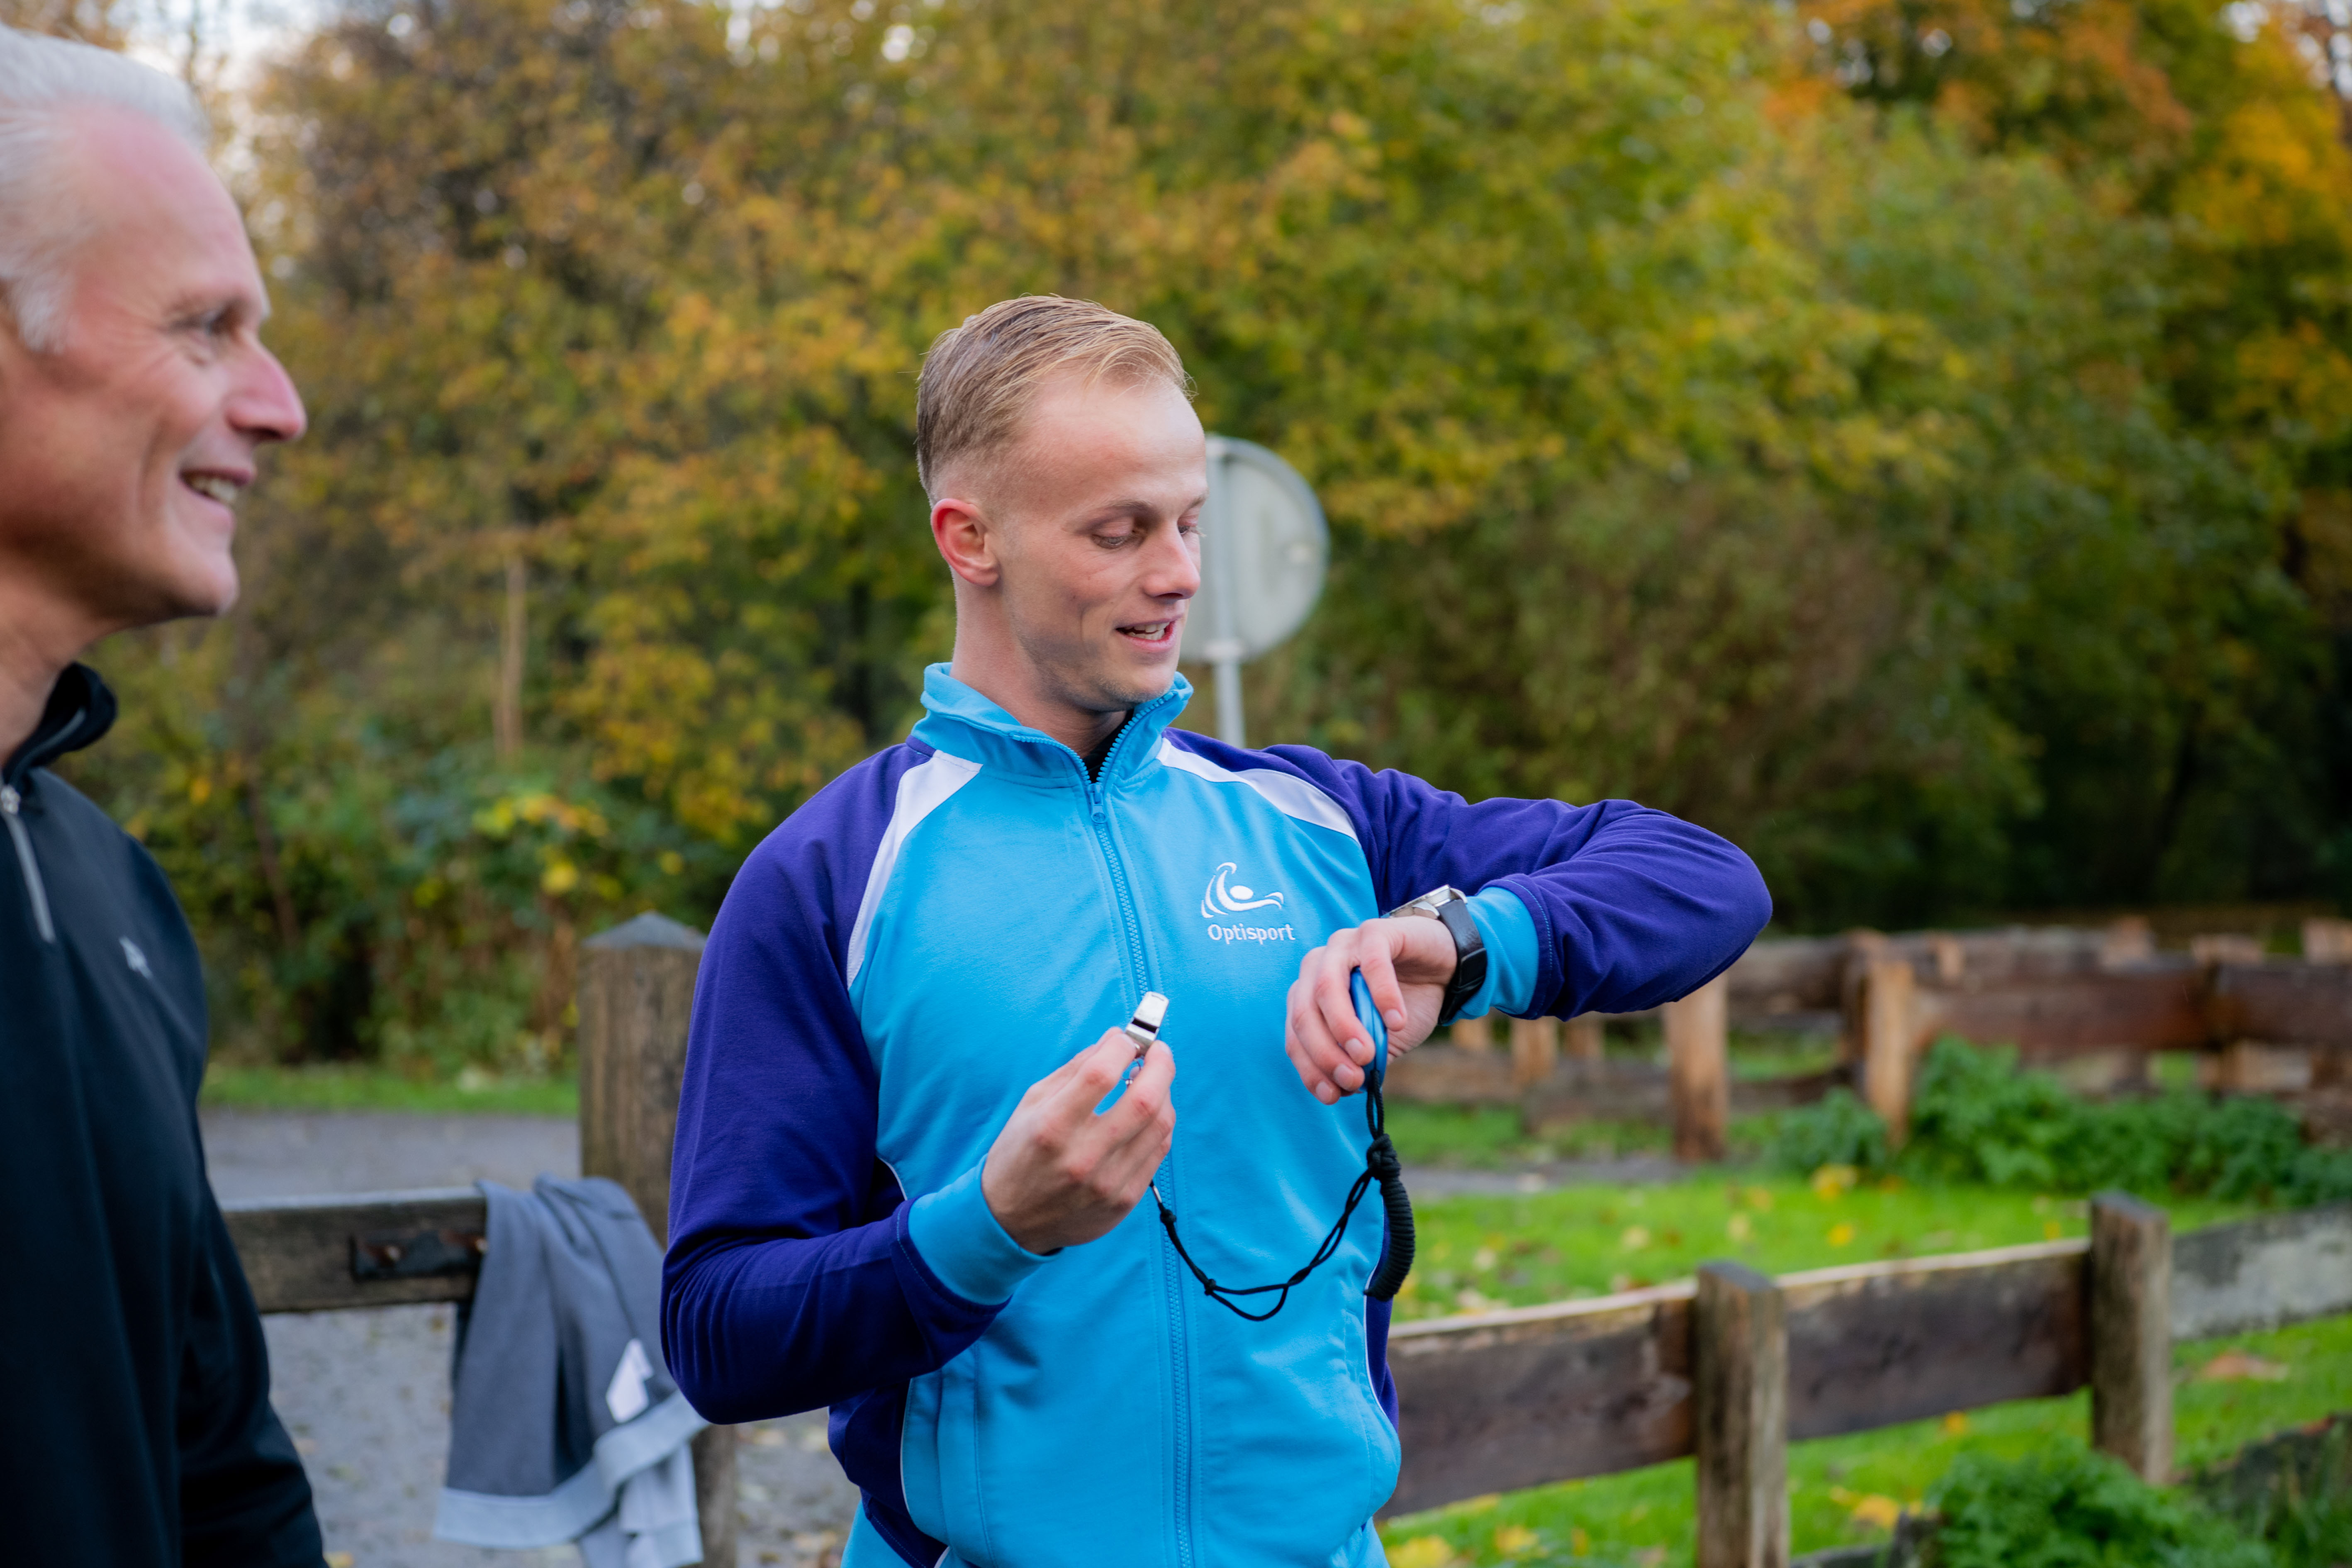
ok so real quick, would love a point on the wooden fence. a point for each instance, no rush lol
(1728, 1367)
(2095, 1003)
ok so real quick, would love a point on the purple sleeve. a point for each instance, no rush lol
(1632, 907)
(790, 1281)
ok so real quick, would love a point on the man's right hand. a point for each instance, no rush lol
(1059, 1174)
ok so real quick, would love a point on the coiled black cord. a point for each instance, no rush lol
(1380, 1165)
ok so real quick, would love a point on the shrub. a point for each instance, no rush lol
(1976, 1117)
(2071, 1508)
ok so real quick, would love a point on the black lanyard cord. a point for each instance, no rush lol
(1382, 1165)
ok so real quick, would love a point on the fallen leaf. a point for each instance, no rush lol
(1759, 1198)
(1955, 1424)
(1831, 1181)
(1514, 1539)
(1577, 1541)
(1738, 1228)
(1635, 1239)
(1422, 1551)
(2242, 1366)
(339, 1560)
(2051, 1230)
(1868, 1508)
(1841, 1234)
(1650, 1558)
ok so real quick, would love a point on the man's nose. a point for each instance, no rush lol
(264, 404)
(1172, 570)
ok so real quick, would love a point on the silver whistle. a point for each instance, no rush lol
(1144, 1027)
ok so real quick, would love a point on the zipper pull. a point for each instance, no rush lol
(9, 799)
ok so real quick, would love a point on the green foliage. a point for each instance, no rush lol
(2070, 1509)
(1978, 1119)
(1928, 468)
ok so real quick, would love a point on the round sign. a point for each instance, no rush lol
(1264, 546)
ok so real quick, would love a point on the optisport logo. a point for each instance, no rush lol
(1225, 897)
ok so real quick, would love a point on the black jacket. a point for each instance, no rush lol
(135, 1428)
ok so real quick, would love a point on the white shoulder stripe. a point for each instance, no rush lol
(1288, 795)
(922, 789)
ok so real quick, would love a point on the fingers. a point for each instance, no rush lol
(1327, 1059)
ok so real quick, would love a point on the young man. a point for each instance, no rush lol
(898, 1193)
(134, 396)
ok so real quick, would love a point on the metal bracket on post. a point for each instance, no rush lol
(1739, 1391)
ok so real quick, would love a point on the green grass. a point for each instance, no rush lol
(1518, 1250)
(1481, 1251)
(372, 1089)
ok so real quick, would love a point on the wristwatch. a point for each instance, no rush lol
(1449, 906)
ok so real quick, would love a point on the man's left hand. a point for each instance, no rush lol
(1406, 963)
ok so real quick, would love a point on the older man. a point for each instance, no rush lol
(134, 396)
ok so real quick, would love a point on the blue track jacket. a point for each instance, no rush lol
(950, 921)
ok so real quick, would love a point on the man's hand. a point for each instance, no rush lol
(1059, 1174)
(1406, 962)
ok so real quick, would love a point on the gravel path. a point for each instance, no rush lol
(366, 1395)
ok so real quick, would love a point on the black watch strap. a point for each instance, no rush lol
(1469, 958)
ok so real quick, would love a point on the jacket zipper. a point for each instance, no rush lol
(1171, 1284)
(10, 804)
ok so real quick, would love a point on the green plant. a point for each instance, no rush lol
(1977, 1117)
(2071, 1508)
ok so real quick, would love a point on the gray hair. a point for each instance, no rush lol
(42, 79)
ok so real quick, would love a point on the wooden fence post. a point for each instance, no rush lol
(1535, 1050)
(637, 995)
(2131, 1333)
(1889, 1018)
(1699, 1071)
(1585, 1038)
(1474, 1033)
(1739, 1391)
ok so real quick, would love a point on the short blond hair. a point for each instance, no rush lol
(979, 379)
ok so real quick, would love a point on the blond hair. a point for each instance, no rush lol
(979, 379)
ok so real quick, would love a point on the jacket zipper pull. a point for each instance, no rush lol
(10, 800)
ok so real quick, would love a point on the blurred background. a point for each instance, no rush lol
(1912, 437)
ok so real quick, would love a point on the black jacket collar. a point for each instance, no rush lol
(80, 710)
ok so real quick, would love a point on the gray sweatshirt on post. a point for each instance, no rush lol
(565, 1424)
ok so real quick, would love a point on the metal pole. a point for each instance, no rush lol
(1224, 646)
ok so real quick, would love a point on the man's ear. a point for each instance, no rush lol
(966, 541)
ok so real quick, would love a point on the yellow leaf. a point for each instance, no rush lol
(1955, 1424)
(1841, 1234)
(1635, 1239)
(1422, 1551)
(2051, 1230)
(1577, 1541)
(1510, 1540)
(1738, 1228)
(1877, 1509)
(1831, 1182)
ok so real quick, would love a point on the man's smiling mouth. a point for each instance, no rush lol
(214, 487)
(1150, 633)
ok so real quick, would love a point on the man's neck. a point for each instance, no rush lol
(1004, 676)
(30, 663)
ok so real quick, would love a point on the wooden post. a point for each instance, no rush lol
(2131, 1334)
(1739, 1393)
(1698, 1072)
(1584, 1038)
(1535, 1050)
(1890, 1000)
(2327, 942)
(1475, 1034)
(637, 995)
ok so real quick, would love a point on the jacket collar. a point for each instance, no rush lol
(80, 710)
(963, 723)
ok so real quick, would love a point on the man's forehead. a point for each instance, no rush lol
(164, 225)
